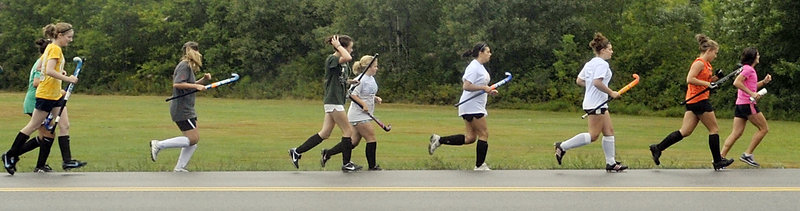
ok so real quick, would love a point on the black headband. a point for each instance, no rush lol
(65, 30)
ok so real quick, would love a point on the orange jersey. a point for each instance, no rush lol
(704, 75)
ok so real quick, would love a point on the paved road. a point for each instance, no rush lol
(649, 189)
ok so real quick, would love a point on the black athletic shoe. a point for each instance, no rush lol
(656, 154)
(72, 164)
(375, 168)
(722, 164)
(295, 157)
(351, 167)
(617, 167)
(324, 158)
(559, 152)
(44, 169)
(8, 163)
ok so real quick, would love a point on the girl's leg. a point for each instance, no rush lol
(366, 130)
(480, 129)
(317, 138)
(340, 118)
(37, 118)
(710, 121)
(736, 132)
(187, 151)
(761, 123)
(609, 140)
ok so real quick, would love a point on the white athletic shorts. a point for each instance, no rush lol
(331, 108)
(359, 122)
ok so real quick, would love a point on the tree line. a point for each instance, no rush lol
(132, 47)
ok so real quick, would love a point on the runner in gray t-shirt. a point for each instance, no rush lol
(182, 109)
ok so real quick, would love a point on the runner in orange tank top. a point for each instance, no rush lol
(698, 109)
(703, 75)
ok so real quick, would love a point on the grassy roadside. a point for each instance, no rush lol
(112, 134)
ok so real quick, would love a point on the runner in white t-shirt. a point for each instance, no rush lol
(475, 80)
(595, 76)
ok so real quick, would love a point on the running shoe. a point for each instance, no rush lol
(72, 164)
(483, 167)
(434, 143)
(375, 168)
(656, 154)
(351, 167)
(617, 167)
(180, 170)
(324, 158)
(295, 157)
(722, 164)
(44, 169)
(154, 150)
(8, 164)
(749, 160)
(559, 152)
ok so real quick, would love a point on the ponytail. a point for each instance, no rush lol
(360, 66)
(191, 54)
(599, 42)
(706, 43)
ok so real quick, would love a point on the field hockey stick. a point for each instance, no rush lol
(718, 82)
(621, 91)
(52, 127)
(234, 77)
(385, 127)
(494, 86)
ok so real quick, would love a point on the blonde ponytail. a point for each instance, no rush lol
(360, 66)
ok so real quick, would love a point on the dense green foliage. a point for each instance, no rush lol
(131, 47)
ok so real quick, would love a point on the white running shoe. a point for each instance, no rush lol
(483, 167)
(180, 170)
(434, 143)
(154, 150)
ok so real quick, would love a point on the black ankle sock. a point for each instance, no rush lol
(63, 144)
(16, 147)
(370, 152)
(481, 149)
(310, 143)
(44, 151)
(453, 140)
(30, 145)
(713, 144)
(347, 150)
(671, 139)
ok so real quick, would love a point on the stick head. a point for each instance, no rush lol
(387, 128)
(77, 59)
(235, 76)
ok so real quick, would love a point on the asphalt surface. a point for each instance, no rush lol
(647, 189)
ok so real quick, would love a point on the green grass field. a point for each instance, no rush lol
(112, 134)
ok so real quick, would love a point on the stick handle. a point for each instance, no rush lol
(621, 91)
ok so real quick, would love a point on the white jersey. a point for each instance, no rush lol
(365, 90)
(597, 68)
(475, 74)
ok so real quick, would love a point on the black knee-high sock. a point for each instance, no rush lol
(671, 139)
(347, 151)
(453, 140)
(30, 145)
(310, 143)
(17, 145)
(336, 149)
(370, 152)
(713, 144)
(63, 144)
(44, 151)
(481, 150)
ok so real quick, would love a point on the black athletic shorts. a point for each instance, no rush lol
(470, 117)
(699, 108)
(599, 111)
(188, 124)
(48, 105)
(744, 110)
